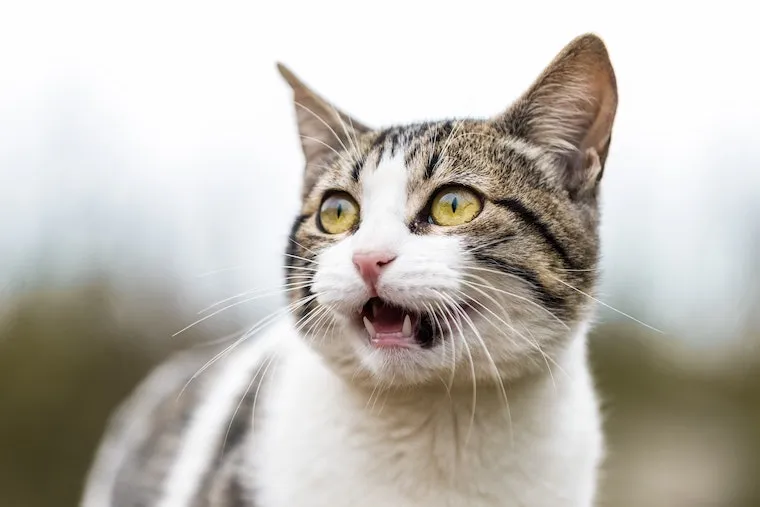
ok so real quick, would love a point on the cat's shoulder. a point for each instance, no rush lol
(182, 425)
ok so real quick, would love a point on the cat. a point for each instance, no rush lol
(433, 353)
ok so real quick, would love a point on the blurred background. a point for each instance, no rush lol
(150, 166)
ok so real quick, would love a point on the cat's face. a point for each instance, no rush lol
(458, 249)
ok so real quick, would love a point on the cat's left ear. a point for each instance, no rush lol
(570, 110)
(323, 128)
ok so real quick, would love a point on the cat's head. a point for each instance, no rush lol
(453, 249)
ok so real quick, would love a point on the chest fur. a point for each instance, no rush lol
(323, 444)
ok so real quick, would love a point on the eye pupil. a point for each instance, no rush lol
(455, 205)
(338, 213)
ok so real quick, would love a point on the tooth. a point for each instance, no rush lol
(370, 327)
(407, 327)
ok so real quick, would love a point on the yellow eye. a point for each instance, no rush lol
(339, 212)
(454, 206)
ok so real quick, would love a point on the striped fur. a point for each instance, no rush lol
(151, 433)
(288, 418)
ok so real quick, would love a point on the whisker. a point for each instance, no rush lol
(447, 143)
(385, 399)
(353, 131)
(328, 327)
(453, 345)
(437, 325)
(472, 367)
(319, 141)
(309, 317)
(479, 268)
(608, 306)
(269, 362)
(521, 298)
(301, 268)
(248, 293)
(495, 369)
(227, 307)
(323, 122)
(354, 143)
(302, 258)
(325, 317)
(535, 345)
(371, 397)
(217, 341)
(242, 398)
(261, 324)
(495, 242)
(551, 375)
(502, 273)
(299, 276)
(301, 246)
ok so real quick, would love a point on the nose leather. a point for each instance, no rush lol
(370, 265)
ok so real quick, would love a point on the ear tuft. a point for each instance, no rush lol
(570, 110)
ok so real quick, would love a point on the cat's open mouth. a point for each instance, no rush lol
(390, 326)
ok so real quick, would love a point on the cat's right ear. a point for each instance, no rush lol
(570, 109)
(322, 127)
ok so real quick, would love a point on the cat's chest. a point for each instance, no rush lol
(317, 447)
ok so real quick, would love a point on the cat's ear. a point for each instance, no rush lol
(323, 128)
(570, 110)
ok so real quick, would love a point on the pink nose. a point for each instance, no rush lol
(370, 265)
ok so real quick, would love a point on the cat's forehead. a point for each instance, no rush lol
(428, 155)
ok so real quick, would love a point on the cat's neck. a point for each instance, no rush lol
(459, 441)
(487, 398)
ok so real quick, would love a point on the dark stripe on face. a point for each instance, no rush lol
(416, 139)
(394, 138)
(292, 248)
(433, 165)
(551, 301)
(533, 221)
(410, 154)
(379, 143)
(441, 138)
(307, 308)
(357, 167)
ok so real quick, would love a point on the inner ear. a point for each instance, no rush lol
(323, 129)
(570, 110)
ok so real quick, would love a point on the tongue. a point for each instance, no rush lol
(387, 319)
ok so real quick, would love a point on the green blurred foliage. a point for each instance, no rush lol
(68, 357)
(63, 367)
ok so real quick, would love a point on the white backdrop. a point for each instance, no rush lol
(158, 137)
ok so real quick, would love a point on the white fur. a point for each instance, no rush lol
(206, 432)
(424, 266)
(323, 443)
(327, 439)
(340, 424)
(133, 425)
(423, 263)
